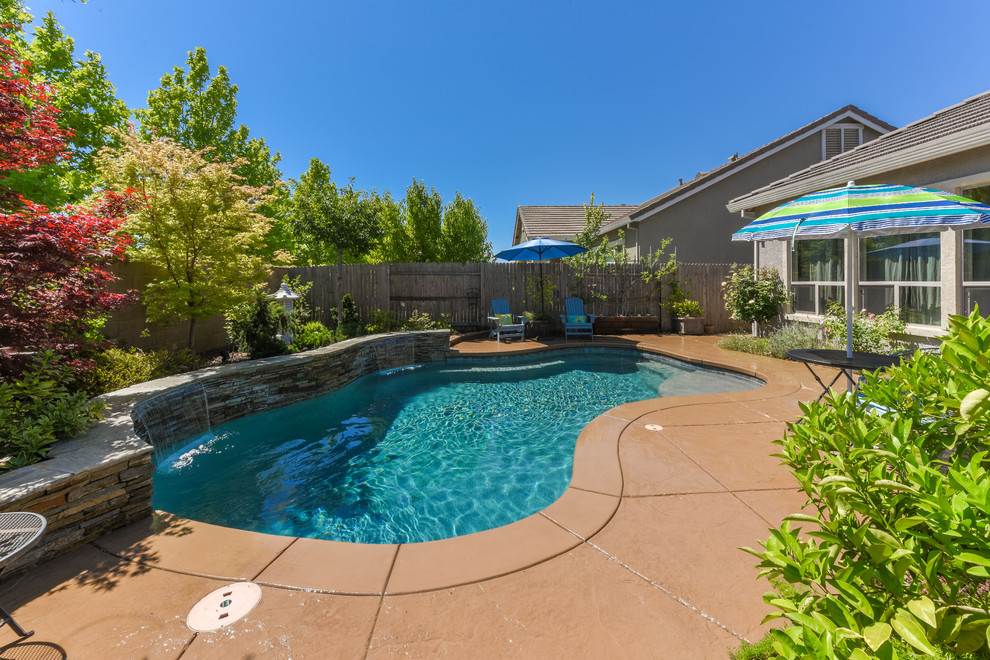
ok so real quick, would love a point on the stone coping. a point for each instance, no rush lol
(586, 507)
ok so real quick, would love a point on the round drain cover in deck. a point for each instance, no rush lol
(223, 607)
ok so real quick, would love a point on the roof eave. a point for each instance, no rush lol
(958, 142)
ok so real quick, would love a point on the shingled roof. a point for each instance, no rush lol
(955, 129)
(702, 179)
(558, 222)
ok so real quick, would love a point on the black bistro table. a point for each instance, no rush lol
(19, 531)
(837, 358)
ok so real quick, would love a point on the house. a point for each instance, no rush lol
(562, 223)
(927, 276)
(693, 213)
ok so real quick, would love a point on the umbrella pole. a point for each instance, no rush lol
(850, 384)
(543, 301)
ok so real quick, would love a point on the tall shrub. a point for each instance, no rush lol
(754, 295)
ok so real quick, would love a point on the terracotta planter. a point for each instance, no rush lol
(709, 329)
(619, 325)
(690, 325)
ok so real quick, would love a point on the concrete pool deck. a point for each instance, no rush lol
(639, 558)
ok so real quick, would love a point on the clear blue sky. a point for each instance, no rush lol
(516, 103)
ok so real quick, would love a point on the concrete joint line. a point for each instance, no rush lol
(654, 584)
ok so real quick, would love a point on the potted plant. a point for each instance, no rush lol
(687, 311)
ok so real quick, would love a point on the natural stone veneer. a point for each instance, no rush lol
(101, 479)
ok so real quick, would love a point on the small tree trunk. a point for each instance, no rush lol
(340, 289)
(192, 334)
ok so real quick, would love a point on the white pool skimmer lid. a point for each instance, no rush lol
(223, 607)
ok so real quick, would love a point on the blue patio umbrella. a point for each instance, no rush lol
(540, 249)
(872, 210)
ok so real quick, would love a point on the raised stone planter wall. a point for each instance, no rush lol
(101, 479)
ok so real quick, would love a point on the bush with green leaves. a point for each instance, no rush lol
(752, 295)
(872, 333)
(311, 335)
(117, 368)
(40, 407)
(255, 327)
(680, 304)
(350, 323)
(777, 342)
(898, 545)
(793, 335)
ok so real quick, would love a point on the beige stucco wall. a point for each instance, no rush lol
(700, 224)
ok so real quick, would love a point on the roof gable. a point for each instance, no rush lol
(560, 222)
(735, 164)
(963, 126)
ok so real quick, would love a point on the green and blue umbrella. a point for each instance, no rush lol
(854, 211)
(866, 211)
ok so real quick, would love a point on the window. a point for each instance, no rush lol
(892, 270)
(817, 275)
(976, 258)
(840, 138)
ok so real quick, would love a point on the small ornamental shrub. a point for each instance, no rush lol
(381, 321)
(753, 296)
(872, 333)
(254, 327)
(745, 343)
(311, 335)
(423, 321)
(117, 368)
(680, 305)
(350, 324)
(896, 549)
(39, 408)
(793, 335)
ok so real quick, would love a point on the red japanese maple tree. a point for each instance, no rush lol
(53, 263)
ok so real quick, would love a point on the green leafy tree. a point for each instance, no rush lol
(599, 253)
(396, 242)
(199, 111)
(333, 218)
(464, 232)
(424, 222)
(194, 219)
(86, 102)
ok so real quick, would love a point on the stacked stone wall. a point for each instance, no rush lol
(102, 479)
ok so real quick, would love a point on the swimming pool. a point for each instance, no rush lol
(419, 453)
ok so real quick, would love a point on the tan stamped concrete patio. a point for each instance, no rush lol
(638, 559)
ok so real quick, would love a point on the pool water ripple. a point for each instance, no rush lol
(416, 455)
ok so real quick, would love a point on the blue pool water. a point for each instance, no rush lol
(420, 453)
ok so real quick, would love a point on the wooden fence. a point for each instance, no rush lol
(463, 292)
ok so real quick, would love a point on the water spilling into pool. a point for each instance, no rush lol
(420, 453)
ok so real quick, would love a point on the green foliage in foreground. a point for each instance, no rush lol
(40, 408)
(763, 650)
(898, 549)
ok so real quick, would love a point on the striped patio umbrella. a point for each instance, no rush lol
(855, 211)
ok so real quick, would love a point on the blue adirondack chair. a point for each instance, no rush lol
(504, 323)
(575, 321)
